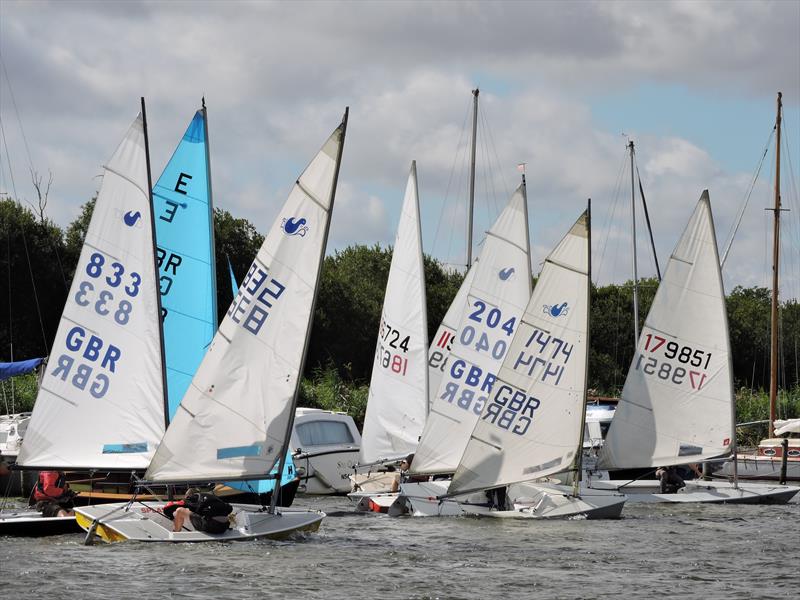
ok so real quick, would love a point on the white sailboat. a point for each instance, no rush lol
(677, 404)
(496, 299)
(533, 425)
(101, 403)
(398, 392)
(235, 420)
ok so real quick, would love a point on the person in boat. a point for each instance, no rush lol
(670, 479)
(52, 495)
(205, 511)
(405, 465)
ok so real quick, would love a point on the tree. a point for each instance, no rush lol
(31, 305)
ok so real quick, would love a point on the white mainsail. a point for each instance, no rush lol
(234, 419)
(677, 403)
(532, 425)
(398, 391)
(442, 344)
(101, 401)
(500, 290)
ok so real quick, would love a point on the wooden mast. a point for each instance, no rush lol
(773, 375)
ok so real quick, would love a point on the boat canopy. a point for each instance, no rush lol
(20, 367)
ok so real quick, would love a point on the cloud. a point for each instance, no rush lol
(278, 75)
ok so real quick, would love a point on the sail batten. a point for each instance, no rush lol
(677, 402)
(240, 403)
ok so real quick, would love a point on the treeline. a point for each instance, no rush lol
(38, 259)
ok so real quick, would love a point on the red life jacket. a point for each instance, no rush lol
(51, 486)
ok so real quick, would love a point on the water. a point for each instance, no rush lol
(710, 551)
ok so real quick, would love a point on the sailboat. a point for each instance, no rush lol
(677, 404)
(532, 425)
(398, 394)
(769, 461)
(101, 400)
(235, 419)
(496, 299)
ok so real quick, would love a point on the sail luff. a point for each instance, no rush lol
(155, 266)
(213, 254)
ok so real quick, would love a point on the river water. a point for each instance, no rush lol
(711, 551)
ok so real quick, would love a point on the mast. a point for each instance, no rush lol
(633, 248)
(213, 257)
(155, 267)
(773, 372)
(527, 229)
(475, 93)
(576, 479)
(290, 421)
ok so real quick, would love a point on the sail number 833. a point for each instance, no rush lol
(664, 365)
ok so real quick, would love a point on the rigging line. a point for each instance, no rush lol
(24, 240)
(16, 110)
(452, 172)
(740, 215)
(488, 135)
(609, 220)
(792, 202)
(647, 217)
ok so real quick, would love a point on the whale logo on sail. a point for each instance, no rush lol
(293, 226)
(557, 310)
(131, 217)
(504, 274)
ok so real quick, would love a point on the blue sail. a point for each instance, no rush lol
(187, 270)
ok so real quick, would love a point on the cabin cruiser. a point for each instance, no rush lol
(12, 430)
(766, 462)
(325, 447)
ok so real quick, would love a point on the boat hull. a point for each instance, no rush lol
(768, 469)
(707, 492)
(31, 523)
(144, 522)
(525, 501)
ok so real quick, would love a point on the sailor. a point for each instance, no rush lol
(671, 481)
(52, 495)
(205, 511)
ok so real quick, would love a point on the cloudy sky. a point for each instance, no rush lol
(564, 85)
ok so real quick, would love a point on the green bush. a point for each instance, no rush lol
(19, 393)
(329, 391)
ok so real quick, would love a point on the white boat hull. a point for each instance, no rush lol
(326, 472)
(720, 492)
(144, 522)
(762, 468)
(526, 501)
(32, 523)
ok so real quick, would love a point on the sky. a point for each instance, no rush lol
(563, 87)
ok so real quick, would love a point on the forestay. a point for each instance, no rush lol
(677, 403)
(500, 290)
(101, 402)
(398, 391)
(184, 221)
(532, 425)
(234, 418)
(442, 344)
